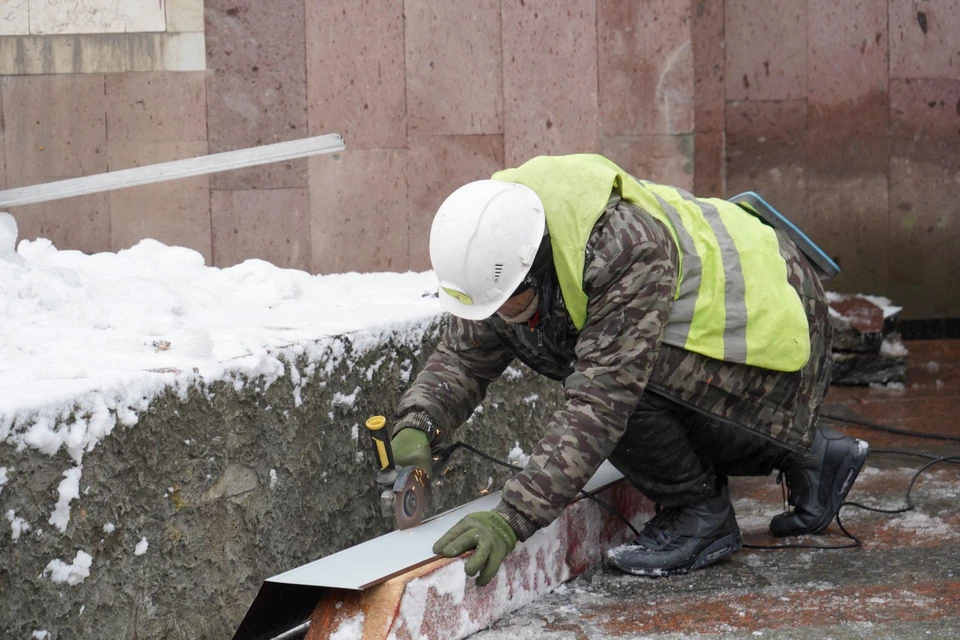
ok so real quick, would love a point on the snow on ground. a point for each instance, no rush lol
(89, 340)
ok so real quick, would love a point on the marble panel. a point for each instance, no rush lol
(176, 213)
(453, 67)
(646, 67)
(14, 18)
(257, 93)
(95, 16)
(156, 107)
(436, 166)
(81, 16)
(185, 15)
(766, 152)
(268, 224)
(359, 214)
(184, 52)
(924, 39)
(355, 72)
(661, 159)
(706, 33)
(55, 127)
(766, 49)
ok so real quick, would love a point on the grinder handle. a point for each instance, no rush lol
(381, 442)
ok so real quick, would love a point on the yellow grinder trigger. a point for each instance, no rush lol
(375, 425)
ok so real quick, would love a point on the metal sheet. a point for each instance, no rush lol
(382, 558)
(174, 170)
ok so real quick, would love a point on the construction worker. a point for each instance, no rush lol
(692, 341)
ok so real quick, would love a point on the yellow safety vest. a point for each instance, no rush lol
(733, 301)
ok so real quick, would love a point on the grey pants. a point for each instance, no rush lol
(673, 454)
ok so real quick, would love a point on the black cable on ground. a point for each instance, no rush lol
(881, 427)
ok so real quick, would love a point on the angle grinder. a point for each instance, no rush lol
(405, 491)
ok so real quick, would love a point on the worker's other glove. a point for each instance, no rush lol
(489, 534)
(411, 448)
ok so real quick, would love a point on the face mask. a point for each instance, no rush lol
(524, 315)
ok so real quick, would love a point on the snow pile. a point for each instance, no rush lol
(351, 629)
(72, 574)
(141, 547)
(69, 490)
(89, 341)
(18, 526)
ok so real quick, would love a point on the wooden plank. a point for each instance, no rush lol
(188, 167)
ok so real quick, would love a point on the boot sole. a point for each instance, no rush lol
(717, 551)
(849, 470)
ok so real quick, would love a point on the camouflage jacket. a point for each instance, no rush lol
(630, 277)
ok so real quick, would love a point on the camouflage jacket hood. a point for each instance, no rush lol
(630, 277)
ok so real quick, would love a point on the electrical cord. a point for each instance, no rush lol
(881, 427)
(856, 542)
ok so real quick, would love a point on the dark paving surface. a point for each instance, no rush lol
(904, 583)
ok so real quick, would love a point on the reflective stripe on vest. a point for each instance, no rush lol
(733, 301)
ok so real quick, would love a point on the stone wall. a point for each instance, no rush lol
(846, 115)
(228, 484)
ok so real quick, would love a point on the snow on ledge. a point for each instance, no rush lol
(90, 340)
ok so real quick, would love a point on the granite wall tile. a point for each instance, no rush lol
(257, 93)
(848, 218)
(766, 49)
(549, 78)
(156, 107)
(79, 224)
(453, 67)
(646, 67)
(924, 40)
(847, 89)
(661, 159)
(766, 152)
(436, 167)
(359, 211)
(708, 164)
(176, 212)
(54, 127)
(924, 191)
(706, 34)
(268, 224)
(355, 72)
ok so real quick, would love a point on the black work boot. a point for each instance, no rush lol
(817, 482)
(681, 539)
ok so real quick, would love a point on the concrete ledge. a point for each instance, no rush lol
(178, 518)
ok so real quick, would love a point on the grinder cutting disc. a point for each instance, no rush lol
(411, 497)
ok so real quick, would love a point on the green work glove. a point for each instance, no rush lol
(411, 447)
(489, 534)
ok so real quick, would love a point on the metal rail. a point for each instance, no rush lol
(174, 170)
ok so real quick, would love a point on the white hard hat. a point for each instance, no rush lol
(483, 242)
